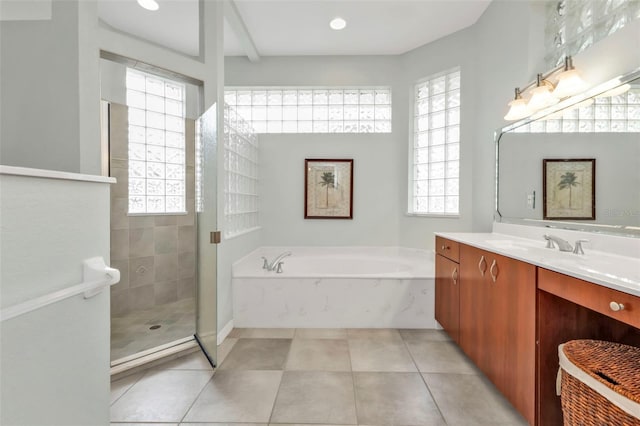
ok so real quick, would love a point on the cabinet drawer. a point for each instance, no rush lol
(447, 248)
(591, 296)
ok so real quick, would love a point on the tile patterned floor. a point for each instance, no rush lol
(320, 377)
(130, 333)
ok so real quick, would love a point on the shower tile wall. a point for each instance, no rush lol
(155, 254)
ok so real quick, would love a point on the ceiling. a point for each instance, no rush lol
(299, 27)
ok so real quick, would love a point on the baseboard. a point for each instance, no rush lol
(225, 332)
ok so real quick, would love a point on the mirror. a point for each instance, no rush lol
(602, 125)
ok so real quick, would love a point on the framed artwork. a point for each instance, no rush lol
(569, 189)
(328, 189)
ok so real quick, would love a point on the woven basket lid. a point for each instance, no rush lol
(615, 365)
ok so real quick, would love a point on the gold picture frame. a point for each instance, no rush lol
(328, 188)
(569, 189)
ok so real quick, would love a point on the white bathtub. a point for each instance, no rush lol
(344, 287)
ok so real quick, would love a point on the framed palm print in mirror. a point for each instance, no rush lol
(328, 188)
(569, 189)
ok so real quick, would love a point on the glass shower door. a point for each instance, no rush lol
(206, 207)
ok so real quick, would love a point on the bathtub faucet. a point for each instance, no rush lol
(272, 266)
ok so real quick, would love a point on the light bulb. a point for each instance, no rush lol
(149, 4)
(541, 97)
(615, 91)
(337, 23)
(517, 109)
(569, 83)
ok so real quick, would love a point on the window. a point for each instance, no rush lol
(156, 144)
(573, 25)
(435, 150)
(313, 110)
(240, 175)
(617, 113)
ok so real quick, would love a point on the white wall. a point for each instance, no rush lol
(54, 360)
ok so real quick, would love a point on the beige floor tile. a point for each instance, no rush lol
(424, 334)
(160, 396)
(380, 355)
(374, 333)
(440, 357)
(263, 333)
(119, 387)
(315, 397)
(237, 396)
(224, 348)
(321, 333)
(319, 355)
(470, 400)
(394, 399)
(257, 354)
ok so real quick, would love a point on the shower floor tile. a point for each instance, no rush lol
(305, 377)
(132, 333)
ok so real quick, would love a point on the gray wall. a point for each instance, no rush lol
(66, 112)
(378, 163)
(617, 176)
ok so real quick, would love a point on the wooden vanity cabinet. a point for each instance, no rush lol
(447, 295)
(497, 322)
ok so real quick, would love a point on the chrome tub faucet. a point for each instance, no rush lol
(276, 265)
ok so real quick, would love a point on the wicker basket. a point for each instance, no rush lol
(600, 383)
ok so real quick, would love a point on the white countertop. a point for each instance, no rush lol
(610, 270)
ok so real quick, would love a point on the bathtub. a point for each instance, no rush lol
(341, 287)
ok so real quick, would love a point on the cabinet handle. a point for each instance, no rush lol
(494, 275)
(615, 306)
(482, 268)
(454, 276)
(445, 247)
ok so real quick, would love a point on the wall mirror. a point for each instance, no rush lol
(602, 124)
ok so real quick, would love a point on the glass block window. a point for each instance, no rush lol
(619, 113)
(313, 110)
(434, 186)
(240, 175)
(156, 144)
(573, 25)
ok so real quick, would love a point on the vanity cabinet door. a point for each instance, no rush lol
(497, 322)
(447, 297)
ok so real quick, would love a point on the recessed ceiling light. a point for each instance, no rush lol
(337, 23)
(149, 4)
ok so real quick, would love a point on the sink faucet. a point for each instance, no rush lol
(271, 266)
(563, 245)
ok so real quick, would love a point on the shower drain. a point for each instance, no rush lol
(155, 327)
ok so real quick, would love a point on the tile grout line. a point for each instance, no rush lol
(213, 374)
(142, 374)
(423, 380)
(284, 366)
(353, 379)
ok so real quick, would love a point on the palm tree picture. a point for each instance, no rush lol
(327, 180)
(569, 188)
(328, 188)
(568, 180)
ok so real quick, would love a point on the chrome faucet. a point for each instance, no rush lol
(563, 245)
(276, 264)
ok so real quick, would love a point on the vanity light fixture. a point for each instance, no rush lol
(541, 95)
(149, 4)
(569, 81)
(338, 23)
(517, 108)
(542, 92)
(615, 91)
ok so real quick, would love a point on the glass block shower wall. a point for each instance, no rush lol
(241, 175)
